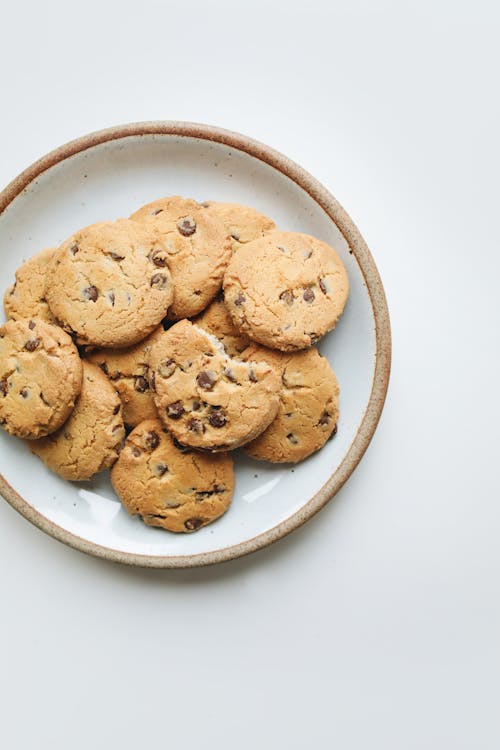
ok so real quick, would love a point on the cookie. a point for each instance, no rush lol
(198, 251)
(242, 223)
(110, 283)
(285, 290)
(168, 486)
(26, 297)
(217, 321)
(308, 411)
(127, 370)
(91, 438)
(40, 377)
(206, 399)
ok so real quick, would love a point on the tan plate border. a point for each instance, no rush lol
(382, 334)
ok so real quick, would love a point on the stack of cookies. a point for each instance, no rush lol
(156, 345)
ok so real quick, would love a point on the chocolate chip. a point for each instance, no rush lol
(308, 295)
(252, 376)
(158, 211)
(175, 410)
(158, 257)
(287, 297)
(32, 344)
(135, 451)
(151, 440)
(196, 405)
(74, 249)
(239, 300)
(24, 393)
(115, 375)
(322, 286)
(116, 256)
(229, 374)
(141, 384)
(31, 325)
(152, 382)
(159, 281)
(104, 368)
(111, 297)
(90, 293)
(291, 437)
(166, 368)
(334, 431)
(235, 237)
(314, 337)
(217, 418)
(193, 523)
(196, 425)
(186, 226)
(160, 469)
(4, 387)
(206, 379)
(116, 409)
(324, 419)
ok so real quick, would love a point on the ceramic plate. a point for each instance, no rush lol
(107, 175)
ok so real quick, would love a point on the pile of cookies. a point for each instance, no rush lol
(156, 345)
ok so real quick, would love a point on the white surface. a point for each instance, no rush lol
(376, 625)
(113, 180)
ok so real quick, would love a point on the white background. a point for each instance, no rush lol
(376, 625)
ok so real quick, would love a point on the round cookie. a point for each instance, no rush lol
(206, 399)
(91, 438)
(198, 251)
(127, 369)
(40, 377)
(110, 284)
(286, 290)
(168, 486)
(308, 411)
(217, 321)
(26, 297)
(242, 223)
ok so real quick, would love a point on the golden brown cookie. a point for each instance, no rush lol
(169, 486)
(242, 223)
(198, 251)
(207, 400)
(127, 369)
(26, 297)
(110, 283)
(285, 290)
(40, 377)
(217, 321)
(91, 438)
(308, 411)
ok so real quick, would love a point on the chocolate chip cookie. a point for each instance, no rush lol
(242, 223)
(110, 283)
(128, 371)
(206, 399)
(91, 438)
(26, 298)
(308, 411)
(198, 249)
(168, 486)
(285, 290)
(40, 377)
(217, 321)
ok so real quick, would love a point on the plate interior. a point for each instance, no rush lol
(110, 181)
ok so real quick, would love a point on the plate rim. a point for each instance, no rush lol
(357, 246)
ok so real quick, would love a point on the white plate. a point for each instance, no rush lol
(108, 175)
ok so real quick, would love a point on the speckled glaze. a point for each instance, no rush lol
(334, 463)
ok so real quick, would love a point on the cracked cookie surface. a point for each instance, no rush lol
(110, 283)
(242, 223)
(206, 399)
(127, 369)
(286, 290)
(169, 486)
(198, 249)
(26, 297)
(217, 321)
(90, 440)
(40, 377)
(308, 411)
